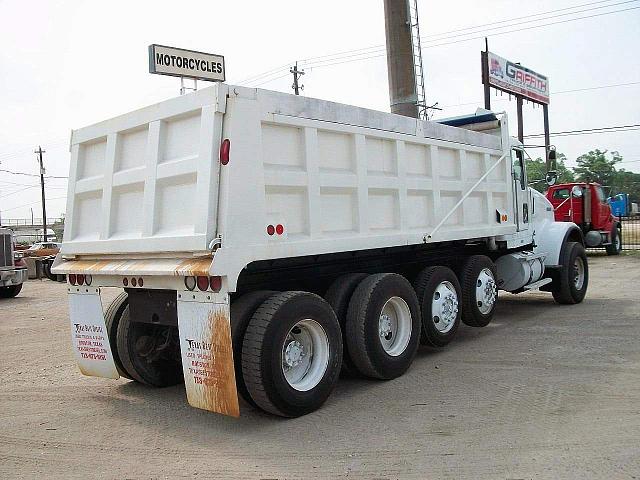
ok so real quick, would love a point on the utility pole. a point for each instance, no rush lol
(296, 75)
(39, 152)
(403, 93)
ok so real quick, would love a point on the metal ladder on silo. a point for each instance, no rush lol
(412, 9)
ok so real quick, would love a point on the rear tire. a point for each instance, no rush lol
(10, 292)
(438, 292)
(140, 348)
(383, 326)
(241, 312)
(292, 353)
(479, 291)
(616, 242)
(573, 278)
(112, 320)
(338, 295)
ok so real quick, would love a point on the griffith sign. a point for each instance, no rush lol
(178, 62)
(516, 79)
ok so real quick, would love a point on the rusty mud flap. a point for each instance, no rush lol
(207, 354)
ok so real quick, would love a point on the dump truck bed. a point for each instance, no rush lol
(305, 176)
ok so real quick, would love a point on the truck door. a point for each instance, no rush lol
(520, 190)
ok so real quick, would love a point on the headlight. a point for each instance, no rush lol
(18, 255)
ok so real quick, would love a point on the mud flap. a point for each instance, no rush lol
(207, 354)
(89, 334)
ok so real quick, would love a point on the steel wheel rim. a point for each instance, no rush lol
(578, 273)
(394, 326)
(486, 291)
(444, 307)
(305, 355)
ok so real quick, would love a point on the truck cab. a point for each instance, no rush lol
(13, 270)
(585, 205)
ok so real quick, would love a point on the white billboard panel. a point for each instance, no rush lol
(514, 78)
(186, 63)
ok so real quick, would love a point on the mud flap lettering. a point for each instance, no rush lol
(89, 335)
(207, 355)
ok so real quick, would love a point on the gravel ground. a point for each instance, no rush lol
(545, 391)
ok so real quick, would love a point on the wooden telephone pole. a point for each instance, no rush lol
(39, 152)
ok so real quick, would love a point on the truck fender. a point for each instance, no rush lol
(552, 236)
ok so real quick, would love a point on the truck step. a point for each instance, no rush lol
(538, 284)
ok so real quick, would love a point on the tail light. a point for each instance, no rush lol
(215, 283)
(225, 148)
(72, 279)
(80, 278)
(203, 283)
(190, 282)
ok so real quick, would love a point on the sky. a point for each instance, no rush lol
(68, 64)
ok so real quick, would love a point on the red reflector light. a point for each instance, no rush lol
(271, 230)
(134, 282)
(203, 283)
(279, 229)
(80, 278)
(72, 278)
(224, 151)
(125, 281)
(140, 282)
(215, 283)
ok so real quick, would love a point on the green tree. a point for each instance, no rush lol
(537, 170)
(626, 182)
(596, 167)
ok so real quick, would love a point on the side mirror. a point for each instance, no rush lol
(551, 178)
(576, 191)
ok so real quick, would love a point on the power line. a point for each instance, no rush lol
(32, 203)
(435, 44)
(445, 35)
(561, 92)
(19, 190)
(618, 128)
(29, 174)
(322, 60)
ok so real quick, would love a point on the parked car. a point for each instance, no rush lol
(42, 249)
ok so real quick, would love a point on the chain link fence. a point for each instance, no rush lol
(630, 232)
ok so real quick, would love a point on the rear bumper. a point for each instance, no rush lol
(13, 277)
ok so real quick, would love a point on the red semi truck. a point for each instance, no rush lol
(585, 205)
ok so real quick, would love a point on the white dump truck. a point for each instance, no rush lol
(266, 242)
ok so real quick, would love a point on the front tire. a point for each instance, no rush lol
(292, 353)
(11, 291)
(383, 326)
(573, 278)
(616, 242)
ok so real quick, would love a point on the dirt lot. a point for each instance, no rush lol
(544, 392)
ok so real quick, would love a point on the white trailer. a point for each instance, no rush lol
(266, 241)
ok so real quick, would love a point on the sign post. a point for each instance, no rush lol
(521, 82)
(178, 62)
